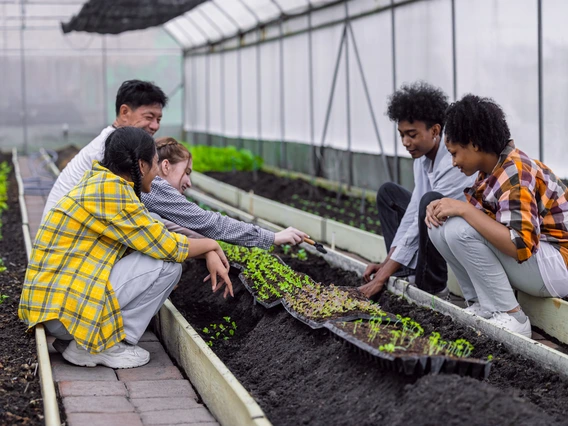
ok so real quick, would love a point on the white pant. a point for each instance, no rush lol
(484, 273)
(141, 284)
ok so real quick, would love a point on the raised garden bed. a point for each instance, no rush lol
(303, 376)
(356, 212)
(20, 393)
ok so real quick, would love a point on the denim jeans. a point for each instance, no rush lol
(431, 270)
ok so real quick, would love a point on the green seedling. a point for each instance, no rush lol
(220, 331)
(3, 297)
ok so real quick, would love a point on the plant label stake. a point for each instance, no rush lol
(318, 246)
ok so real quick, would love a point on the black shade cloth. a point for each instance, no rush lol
(117, 16)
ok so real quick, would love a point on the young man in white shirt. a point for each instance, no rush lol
(139, 104)
(419, 110)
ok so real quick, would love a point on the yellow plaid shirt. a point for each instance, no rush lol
(77, 245)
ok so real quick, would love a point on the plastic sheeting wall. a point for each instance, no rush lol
(66, 84)
(496, 56)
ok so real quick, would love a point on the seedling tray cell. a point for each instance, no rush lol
(417, 365)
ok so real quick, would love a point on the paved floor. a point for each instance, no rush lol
(155, 394)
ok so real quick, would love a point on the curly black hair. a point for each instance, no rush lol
(418, 101)
(479, 121)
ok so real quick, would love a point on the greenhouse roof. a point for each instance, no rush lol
(218, 20)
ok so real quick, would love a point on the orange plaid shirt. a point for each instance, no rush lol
(527, 197)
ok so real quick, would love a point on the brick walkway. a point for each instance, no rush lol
(154, 394)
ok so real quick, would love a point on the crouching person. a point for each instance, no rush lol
(419, 111)
(512, 233)
(101, 267)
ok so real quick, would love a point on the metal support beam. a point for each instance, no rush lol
(223, 114)
(251, 11)
(370, 104)
(183, 97)
(454, 52)
(194, 99)
(259, 96)
(283, 153)
(240, 98)
(328, 24)
(208, 97)
(393, 48)
(332, 92)
(211, 22)
(315, 159)
(227, 15)
(348, 104)
(23, 87)
(105, 80)
(540, 90)
(198, 28)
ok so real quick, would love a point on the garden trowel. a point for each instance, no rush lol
(318, 246)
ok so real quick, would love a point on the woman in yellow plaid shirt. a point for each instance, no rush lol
(101, 266)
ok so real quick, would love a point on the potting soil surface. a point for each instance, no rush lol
(302, 195)
(20, 393)
(304, 376)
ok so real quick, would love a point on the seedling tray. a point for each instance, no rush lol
(319, 324)
(414, 364)
(244, 280)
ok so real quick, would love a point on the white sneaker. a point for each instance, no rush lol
(121, 355)
(503, 319)
(476, 309)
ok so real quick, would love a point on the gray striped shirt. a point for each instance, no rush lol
(167, 202)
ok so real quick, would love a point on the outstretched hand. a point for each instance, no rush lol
(290, 236)
(218, 273)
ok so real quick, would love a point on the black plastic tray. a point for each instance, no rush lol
(239, 268)
(414, 364)
(277, 302)
(316, 324)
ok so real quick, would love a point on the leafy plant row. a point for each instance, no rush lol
(223, 159)
(4, 173)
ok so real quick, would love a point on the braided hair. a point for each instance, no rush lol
(173, 151)
(123, 150)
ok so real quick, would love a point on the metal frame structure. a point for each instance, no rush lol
(348, 34)
(203, 43)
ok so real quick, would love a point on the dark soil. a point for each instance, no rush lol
(304, 376)
(302, 195)
(20, 393)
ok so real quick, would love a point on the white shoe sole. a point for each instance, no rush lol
(85, 359)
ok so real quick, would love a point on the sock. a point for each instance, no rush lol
(519, 316)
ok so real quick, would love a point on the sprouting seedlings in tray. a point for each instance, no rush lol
(318, 302)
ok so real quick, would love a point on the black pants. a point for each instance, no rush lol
(431, 269)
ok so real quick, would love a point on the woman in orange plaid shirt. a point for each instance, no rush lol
(512, 232)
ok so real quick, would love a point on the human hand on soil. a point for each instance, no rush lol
(290, 236)
(372, 268)
(216, 267)
(373, 287)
